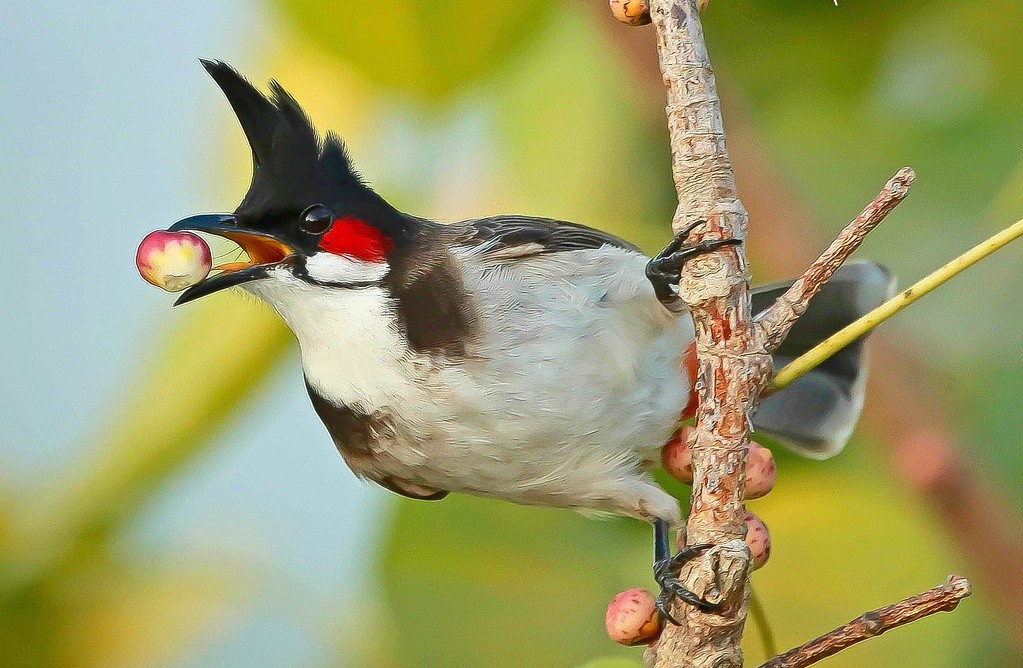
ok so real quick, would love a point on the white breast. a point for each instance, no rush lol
(581, 362)
(573, 383)
(352, 351)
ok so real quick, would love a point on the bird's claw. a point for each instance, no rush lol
(665, 269)
(666, 572)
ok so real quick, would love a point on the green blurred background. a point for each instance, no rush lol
(168, 498)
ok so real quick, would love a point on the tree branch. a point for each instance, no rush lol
(906, 410)
(774, 323)
(733, 366)
(733, 352)
(942, 598)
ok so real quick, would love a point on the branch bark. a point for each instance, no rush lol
(733, 365)
(943, 598)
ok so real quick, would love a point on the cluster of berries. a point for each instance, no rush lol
(632, 618)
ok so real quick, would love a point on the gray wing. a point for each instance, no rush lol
(507, 237)
(815, 415)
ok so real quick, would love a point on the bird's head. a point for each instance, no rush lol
(307, 214)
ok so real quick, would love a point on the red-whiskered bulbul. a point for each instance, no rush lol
(526, 359)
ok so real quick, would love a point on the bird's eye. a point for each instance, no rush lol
(316, 219)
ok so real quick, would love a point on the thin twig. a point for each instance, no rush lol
(875, 317)
(732, 351)
(758, 615)
(774, 323)
(942, 598)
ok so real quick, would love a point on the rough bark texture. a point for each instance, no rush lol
(942, 598)
(733, 366)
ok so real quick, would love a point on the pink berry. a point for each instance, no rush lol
(173, 260)
(761, 472)
(675, 455)
(758, 538)
(631, 12)
(632, 618)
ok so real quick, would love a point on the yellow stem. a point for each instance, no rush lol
(759, 617)
(864, 324)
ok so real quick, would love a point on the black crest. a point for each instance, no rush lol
(292, 168)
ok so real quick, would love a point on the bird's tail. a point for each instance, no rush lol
(815, 415)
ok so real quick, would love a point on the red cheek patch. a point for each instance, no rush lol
(353, 237)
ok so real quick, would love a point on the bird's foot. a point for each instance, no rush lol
(666, 573)
(665, 270)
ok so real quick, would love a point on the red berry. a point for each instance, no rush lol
(173, 260)
(761, 472)
(632, 618)
(758, 538)
(675, 455)
(631, 12)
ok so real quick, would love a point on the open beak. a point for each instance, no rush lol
(264, 250)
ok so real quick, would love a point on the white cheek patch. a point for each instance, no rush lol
(329, 268)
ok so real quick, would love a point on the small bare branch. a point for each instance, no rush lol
(868, 321)
(774, 323)
(942, 598)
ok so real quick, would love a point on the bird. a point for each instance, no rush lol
(521, 358)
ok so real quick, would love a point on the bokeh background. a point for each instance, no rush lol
(167, 497)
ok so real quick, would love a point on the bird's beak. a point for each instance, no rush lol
(264, 251)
